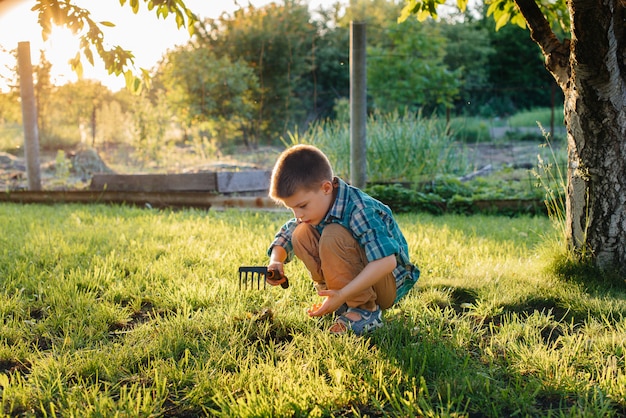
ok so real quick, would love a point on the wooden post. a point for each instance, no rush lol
(29, 116)
(358, 105)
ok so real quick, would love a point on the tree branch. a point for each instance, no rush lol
(556, 53)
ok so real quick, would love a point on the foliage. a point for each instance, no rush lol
(505, 11)
(448, 195)
(109, 311)
(202, 88)
(517, 72)
(10, 108)
(400, 147)
(414, 54)
(71, 114)
(277, 42)
(552, 179)
(116, 60)
(43, 95)
(468, 52)
(151, 123)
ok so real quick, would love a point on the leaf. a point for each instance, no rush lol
(133, 83)
(422, 15)
(462, 4)
(77, 65)
(409, 9)
(519, 20)
(107, 23)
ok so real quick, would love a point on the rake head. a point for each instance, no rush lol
(250, 277)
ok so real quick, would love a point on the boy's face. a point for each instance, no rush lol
(311, 206)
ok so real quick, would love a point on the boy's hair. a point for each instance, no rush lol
(299, 167)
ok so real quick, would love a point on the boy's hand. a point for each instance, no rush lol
(274, 277)
(332, 301)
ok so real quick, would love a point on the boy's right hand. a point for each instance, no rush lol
(276, 277)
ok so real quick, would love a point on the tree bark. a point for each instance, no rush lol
(595, 108)
(591, 71)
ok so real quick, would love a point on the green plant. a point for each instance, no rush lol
(552, 180)
(400, 147)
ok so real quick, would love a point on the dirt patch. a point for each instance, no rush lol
(57, 171)
(519, 154)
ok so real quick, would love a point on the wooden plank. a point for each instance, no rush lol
(185, 182)
(243, 181)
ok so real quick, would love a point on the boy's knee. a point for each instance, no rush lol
(304, 233)
(335, 236)
(337, 241)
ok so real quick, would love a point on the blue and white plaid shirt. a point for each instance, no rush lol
(372, 225)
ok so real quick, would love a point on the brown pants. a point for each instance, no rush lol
(334, 259)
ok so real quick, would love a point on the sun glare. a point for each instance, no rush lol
(60, 48)
(147, 37)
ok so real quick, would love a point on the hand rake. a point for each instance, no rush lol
(251, 276)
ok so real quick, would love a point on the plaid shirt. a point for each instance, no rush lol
(372, 225)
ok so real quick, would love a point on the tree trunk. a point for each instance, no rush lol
(595, 113)
(591, 71)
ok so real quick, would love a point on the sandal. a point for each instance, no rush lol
(341, 310)
(370, 320)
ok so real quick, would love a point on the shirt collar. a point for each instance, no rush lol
(339, 206)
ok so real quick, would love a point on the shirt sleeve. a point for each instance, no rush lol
(283, 239)
(373, 230)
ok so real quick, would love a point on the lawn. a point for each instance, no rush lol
(131, 312)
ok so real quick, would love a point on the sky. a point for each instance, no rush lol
(146, 36)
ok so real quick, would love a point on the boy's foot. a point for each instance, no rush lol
(360, 321)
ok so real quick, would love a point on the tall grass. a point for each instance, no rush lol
(400, 147)
(551, 175)
(119, 311)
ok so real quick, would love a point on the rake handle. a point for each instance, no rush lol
(275, 275)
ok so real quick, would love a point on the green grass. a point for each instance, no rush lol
(534, 116)
(118, 311)
(477, 129)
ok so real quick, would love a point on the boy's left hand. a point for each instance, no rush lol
(332, 301)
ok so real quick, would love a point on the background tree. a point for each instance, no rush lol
(414, 54)
(277, 42)
(43, 94)
(330, 75)
(468, 51)
(73, 108)
(10, 111)
(517, 71)
(215, 92)
(589, 68)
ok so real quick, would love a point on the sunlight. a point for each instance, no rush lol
(146, 36)
(59, 49)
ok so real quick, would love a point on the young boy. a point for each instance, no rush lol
(349, 241)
